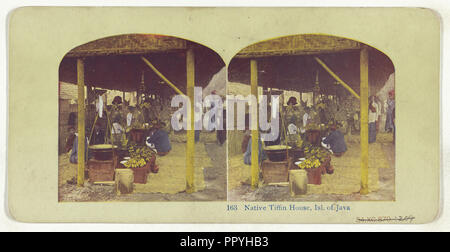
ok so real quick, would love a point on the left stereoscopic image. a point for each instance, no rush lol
(126, 132)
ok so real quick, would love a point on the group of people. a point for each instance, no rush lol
(123, 119)
(139, 117)
(295, 122)
(315, 115)
(375, 112)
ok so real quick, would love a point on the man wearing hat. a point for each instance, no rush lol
(158, 139)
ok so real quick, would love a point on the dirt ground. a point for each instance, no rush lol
(385, 192)
(214, 177)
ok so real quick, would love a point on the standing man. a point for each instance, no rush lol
(389, 126)
(373, 117)
(378, 102)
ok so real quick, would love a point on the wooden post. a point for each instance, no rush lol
(87, 112)
(81, 122)
(190, 143)
(255, 135)
(364, 94)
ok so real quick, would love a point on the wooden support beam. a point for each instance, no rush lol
(81, 123)
(364, 92)
(190, 143)
(254, 117)
(336, 77)
(162, 76)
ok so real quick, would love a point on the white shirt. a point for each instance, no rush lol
(99, 106)
(373, 116)
(292, 129)
(117, 128)
(305, 119)
(129, 118)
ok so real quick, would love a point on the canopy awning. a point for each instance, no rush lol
(288, 63)
(299, 45)
(114, 63)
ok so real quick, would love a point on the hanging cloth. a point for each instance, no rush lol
(99, 106)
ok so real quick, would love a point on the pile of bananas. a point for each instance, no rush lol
(135, 163)
(315, 152)
(140, 152)
(314, 156)
(309, 164)
(139, 156)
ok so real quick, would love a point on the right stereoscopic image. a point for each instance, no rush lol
(311, 118)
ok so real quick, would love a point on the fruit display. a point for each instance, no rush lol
(139, 156)
(309, 163)
(314, 157)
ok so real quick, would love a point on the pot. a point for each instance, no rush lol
(103, 151)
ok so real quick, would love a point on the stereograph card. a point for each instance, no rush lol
(224, 115)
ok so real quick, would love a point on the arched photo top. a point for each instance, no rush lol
(116, 62)
(298, 62)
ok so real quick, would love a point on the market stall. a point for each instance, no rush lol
(335, 70)
(153, 68)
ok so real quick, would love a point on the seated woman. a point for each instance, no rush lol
(336, 141)
(248, 152)
(74, 153)
(158, 139)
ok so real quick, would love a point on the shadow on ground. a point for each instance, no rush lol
(214, 176)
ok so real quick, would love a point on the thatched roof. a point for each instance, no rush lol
(115, 63)
(299, 45)
(129, 44)
(280, 66)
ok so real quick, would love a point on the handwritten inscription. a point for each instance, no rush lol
(386, 219)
